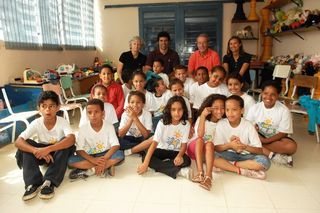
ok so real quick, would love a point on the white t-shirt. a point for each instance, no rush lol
(149, 105)
(209, 132)
(248, 103)
(126, 90)
(205, 90)
(245, 131)
(170, 137)
(187, 84)
(145, 118)
(271, 121)
(169, 95)
(93, 142)
(110, 115)
(61, 129)
(192, 91)
(161, 102)
(165, 78)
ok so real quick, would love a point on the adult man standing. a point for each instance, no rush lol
(204, 56)
(167, 55)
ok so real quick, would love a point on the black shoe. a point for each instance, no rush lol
(31, 192)
(78, 174)
(47, 190)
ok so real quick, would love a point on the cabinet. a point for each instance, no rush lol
(250, 41)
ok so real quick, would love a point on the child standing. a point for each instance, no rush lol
(201, 77)
(237, 143)
(54, 146)
(139, 83)
(201, 147)
(181, 72)
(169, 141)
(158, 67)
(215, 85)
(99, 92)
(274, 123)
(114, 93)
(136, 123)
(97, 145)
(235, 84)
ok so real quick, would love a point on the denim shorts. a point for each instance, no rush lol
(77, 158)
(233, 156)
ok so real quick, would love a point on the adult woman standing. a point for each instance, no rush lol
(133, 59)
(237, 60)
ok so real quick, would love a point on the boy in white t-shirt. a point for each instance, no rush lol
(181, 72)
(97, 145)
(237, 143)
(158, 67)
(274, 123)
(53, 147)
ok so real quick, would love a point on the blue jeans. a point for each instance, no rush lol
(77, 158)
(127, 142)
(233, 156)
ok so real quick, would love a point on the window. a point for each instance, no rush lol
(50, 24)
(184, 22)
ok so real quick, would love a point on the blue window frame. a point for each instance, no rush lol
(184, 22)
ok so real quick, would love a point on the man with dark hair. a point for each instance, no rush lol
(167, 55)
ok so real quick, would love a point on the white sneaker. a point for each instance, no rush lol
(253, 174)
(186, 172)
(127, 152)
(280, 159)
(290, 161)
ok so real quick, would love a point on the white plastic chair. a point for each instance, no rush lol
(280, 71)
(13, 118)
(64, 107)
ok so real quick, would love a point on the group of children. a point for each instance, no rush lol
(170, 124)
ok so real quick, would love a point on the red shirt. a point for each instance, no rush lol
(209, 60)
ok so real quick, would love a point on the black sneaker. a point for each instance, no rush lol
(31, 192)
(47, 190)
(80, 174)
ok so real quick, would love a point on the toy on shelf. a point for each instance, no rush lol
(50, 75)
(32, 77)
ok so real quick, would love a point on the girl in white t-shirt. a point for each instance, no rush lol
(99, 92)
(167, 151)
(139, 83)
(215, 85)
(201, 147)
(136, 123)
(235, 84)
(237, 143)
(274, 122)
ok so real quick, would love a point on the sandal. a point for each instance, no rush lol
(206, 183)
(198, 178)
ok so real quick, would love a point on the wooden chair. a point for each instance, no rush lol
(67, 90)
(64, 107)
(14, 117)
(302, 81)
(280, 71)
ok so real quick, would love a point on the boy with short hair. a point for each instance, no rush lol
(54, 146)
(97, 145)
(181, 72)
(158, 67)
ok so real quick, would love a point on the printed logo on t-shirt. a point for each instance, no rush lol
(52, 141)
(134, 132)
(266, 128)
(175, 141)
(98, 148)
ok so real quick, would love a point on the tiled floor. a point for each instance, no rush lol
(286, 190)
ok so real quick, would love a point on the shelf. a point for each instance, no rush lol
(249, 39)
(244, 21)
(294, 31)
(277, 4)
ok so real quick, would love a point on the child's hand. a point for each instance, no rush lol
(40, 153)
(48, 159)
(131, 113)
(101, 161)
(142, 168)
(178, 161)
(206, 111)
(99, 170)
